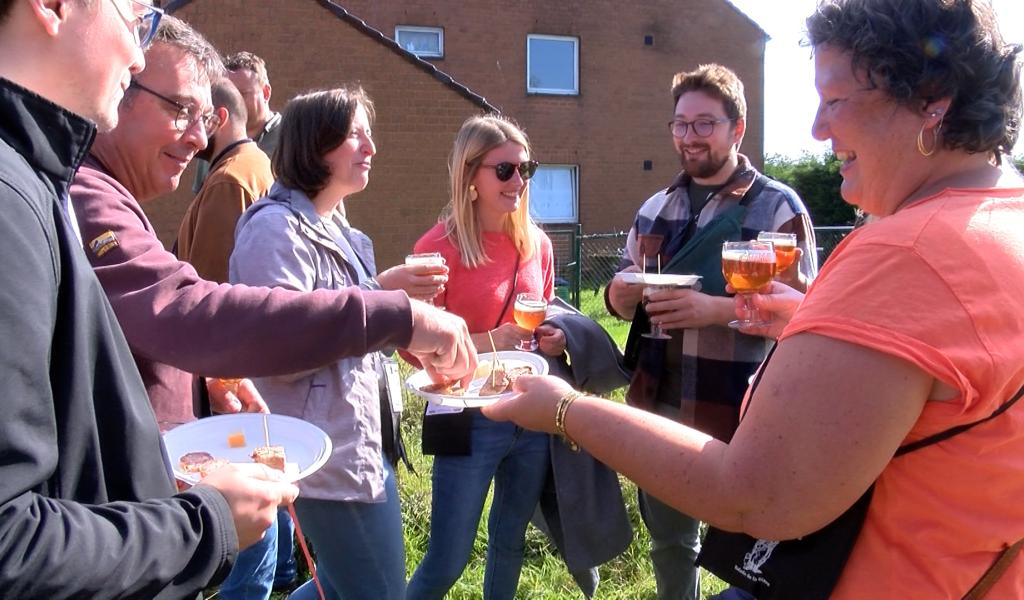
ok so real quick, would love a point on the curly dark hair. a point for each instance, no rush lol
(918, 51)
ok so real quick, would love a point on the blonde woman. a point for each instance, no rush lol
(494, 252)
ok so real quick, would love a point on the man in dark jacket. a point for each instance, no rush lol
(86, 500)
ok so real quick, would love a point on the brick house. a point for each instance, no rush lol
(595, 102)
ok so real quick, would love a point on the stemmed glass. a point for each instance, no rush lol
(656, 332)
(529, 312)
(785, 248)
(431, 259)
(748, 267)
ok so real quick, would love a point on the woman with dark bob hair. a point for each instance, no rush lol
(885, 415)
(298, 237)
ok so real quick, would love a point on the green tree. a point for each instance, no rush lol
(816, 179)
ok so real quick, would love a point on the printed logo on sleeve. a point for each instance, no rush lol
(103, 243)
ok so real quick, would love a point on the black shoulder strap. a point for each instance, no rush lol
(948, 433)
(921, 443)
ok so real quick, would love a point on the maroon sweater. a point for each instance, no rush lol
(178, 324)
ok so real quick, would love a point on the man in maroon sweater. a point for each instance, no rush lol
(178, 324)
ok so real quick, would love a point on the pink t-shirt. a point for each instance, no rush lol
(939, 284)
(478, 295)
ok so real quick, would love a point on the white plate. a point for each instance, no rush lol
(304, 444)
(510, 358)
(659, 279)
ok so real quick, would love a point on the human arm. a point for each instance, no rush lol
(688, 309)
(171, 315)
(83, 475)
(796, 462)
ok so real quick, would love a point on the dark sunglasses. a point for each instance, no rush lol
(504, 170)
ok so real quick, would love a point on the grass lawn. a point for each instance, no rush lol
(544, 576)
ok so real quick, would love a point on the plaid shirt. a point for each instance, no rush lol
(706, 370)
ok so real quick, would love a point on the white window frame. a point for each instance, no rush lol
(575, 180)
(418, 29)
(575, 91)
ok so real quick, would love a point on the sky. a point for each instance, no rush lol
(790, 99)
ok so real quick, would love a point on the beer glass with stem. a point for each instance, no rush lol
(785, 248)
(656, 332)
(430, 259)
(748, 267)
(529, 312)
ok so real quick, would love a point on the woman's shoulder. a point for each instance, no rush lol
(434, 240)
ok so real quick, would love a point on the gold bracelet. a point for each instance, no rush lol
(563, 407)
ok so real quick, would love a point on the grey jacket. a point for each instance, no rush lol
(582, 502)
(281, 241)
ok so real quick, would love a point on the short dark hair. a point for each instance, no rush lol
(919, 51)
(249, 62)
(716, 81)
(313, 124)
(225, 94)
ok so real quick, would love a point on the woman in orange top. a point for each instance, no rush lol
(914, 326)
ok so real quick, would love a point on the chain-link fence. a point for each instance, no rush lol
(585, 263)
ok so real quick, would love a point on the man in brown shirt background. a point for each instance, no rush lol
(239, 175)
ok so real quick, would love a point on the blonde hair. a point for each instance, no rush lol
(478, 136)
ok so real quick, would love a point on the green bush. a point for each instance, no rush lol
(816, 179)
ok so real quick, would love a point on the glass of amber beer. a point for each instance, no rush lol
(430, 259)
(529, 312)
(785, 248)
(748, 267)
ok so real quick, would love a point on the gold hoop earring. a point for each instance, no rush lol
(472, 193)
(935, 139)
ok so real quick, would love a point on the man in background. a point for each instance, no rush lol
(249, 74)
(698, 377)
(239, 175)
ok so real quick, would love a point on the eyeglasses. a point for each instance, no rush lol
(504, 170)
(142, 26)
(187, 115)
(701, 127)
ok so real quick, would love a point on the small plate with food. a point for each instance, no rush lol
(296, 447)
(492, 380)
(683, 281)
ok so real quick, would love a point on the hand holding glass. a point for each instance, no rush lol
(430, 259)
(529, 312)
(748, 267)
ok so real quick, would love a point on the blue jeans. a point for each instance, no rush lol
(359, 547)
(252, 576)
(518, 462)
(287, 570)
(675, 543)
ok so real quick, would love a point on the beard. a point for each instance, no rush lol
(706, 166)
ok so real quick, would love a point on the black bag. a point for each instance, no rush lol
(807, 568)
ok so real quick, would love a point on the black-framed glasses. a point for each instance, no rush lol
(142, 25)
(504, 170)
(186, 115)
(701, 127)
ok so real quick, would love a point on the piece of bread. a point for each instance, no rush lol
(272, 456)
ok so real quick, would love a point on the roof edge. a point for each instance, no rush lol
(378, 36)
(735, 8)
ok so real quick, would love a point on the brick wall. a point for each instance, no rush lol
(307, 47)
(615, 124)
(619, 118)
